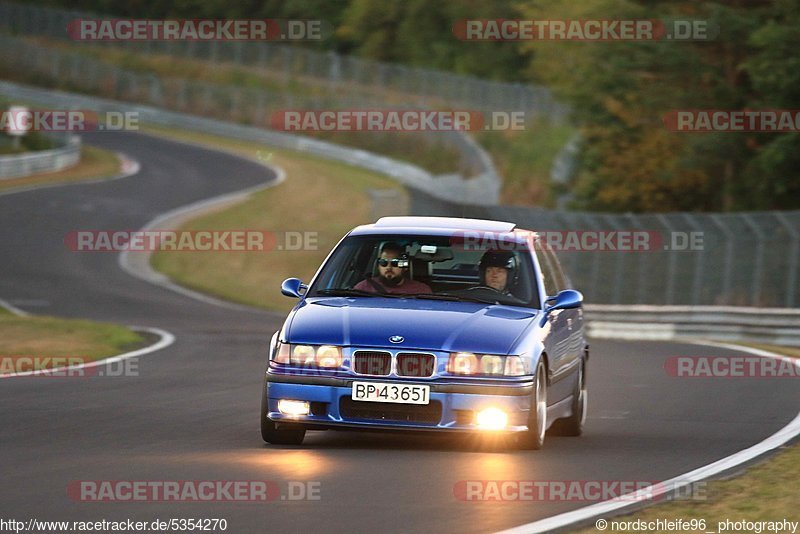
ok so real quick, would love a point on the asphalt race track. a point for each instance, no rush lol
(192, 413)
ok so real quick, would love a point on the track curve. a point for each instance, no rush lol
(192, 413)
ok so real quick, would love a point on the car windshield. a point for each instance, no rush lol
(428, 267)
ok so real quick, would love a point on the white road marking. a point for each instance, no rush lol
(166, 339)
(13, 309)
(138, 265)
(614, 507)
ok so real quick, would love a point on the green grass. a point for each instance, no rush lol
(95, 163)
(321, 196)
(524, 158)
(766, 491)
(47, 337)
(30, 142)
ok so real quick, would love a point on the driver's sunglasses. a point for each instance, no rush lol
(383, 262)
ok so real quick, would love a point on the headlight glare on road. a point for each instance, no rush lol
(303, 355)
(491, 419)
(293, 407)
(329, 356)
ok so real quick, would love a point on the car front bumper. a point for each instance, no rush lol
(452, 406)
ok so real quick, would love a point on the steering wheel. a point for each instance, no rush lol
(484, 287)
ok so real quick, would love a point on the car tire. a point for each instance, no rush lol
(533, 438)
(573, 425)
(270, 433)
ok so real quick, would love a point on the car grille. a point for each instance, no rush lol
(367, 362)
(412, 364)
(384, 411)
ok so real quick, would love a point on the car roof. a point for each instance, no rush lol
(433, 226)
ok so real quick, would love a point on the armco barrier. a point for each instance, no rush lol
(483, 188)
(41, 161)
(774, 326)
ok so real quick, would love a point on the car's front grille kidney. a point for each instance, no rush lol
(368, 362)
(413, 364)
(385, 411)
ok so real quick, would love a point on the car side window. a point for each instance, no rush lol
(553, 276)
(561, 281)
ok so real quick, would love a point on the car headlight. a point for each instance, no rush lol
(463, 363)
(327, 356)
(491, 365)
(514, 366)
(303, 355)
(283, 353)
(467, 363)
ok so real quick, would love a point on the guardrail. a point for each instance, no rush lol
(372, 82)
(152, 96)
(774, 326)
(445, 187)
(41, 161)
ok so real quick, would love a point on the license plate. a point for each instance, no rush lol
(399, 393)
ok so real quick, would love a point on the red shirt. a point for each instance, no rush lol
(408, 287)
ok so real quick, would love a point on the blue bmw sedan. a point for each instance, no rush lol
(430, 324)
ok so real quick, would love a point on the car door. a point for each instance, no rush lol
(557, 348)
(573, 317)
(571, 353)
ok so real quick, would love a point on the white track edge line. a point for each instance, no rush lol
(782, 436)
(166, 339)
(13, 309)
(154, 277)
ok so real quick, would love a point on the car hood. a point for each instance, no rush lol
(423, 324)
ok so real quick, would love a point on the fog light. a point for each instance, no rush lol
(492, 419)
(293, 407)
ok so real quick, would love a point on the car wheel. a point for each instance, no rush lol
(270, 433)
(573, 425)
(533, 438)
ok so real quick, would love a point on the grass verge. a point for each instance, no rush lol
(322, 197)
(51, 337)
(766, 491)
(95, 163)
(524, 159)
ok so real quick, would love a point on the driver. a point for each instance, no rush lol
(392, 274)
(497, 268)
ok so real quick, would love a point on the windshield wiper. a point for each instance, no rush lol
(450, 296)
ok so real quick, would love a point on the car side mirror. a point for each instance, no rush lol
(293, 287)
(567, 299)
